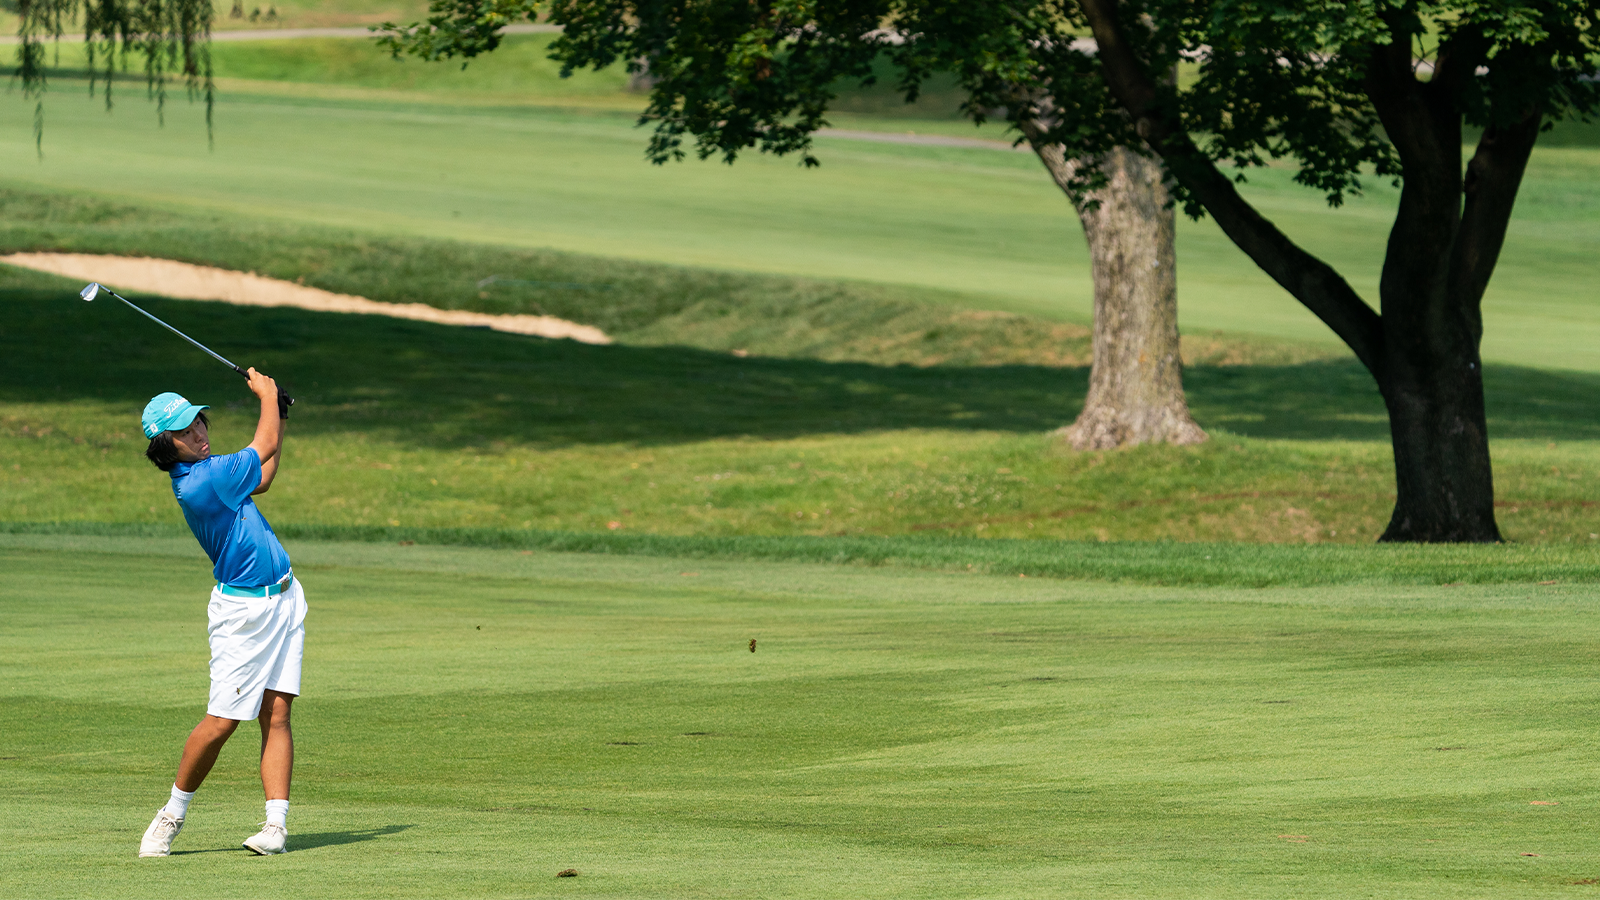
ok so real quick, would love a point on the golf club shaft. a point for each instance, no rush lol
(214, 355)
(284, 395)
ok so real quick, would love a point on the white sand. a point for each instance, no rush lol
(190, 282)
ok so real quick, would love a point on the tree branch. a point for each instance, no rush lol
(1493, 178)
(1308, 279)
(1423, 119)
(1458, 60)
(1397, 96)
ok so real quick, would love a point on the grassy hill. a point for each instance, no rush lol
(636, 302)
(333, 133)
(411, 425)
(891, 254)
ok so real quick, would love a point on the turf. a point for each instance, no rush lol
(408, 424)
(986, 225)
(634, 302)
(1232, 564)
(476, 721)
(579, 185)
(638, 303)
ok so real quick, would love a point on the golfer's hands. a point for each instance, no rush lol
(262, 385)
(269, 430)
(267, 389)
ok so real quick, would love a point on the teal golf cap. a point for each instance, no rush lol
(168, 412)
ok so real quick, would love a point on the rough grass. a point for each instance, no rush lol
(1232, 564)
(475, 722)
(414, 425)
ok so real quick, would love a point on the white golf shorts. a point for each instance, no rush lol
(256, 644)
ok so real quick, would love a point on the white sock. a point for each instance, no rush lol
(178, 806)
(278, 813)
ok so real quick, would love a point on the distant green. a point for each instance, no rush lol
(474, 722)
(550, 168)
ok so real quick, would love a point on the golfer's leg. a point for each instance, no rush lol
(201, 749)
(277, 745)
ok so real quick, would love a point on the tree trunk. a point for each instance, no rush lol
(1430, 374)
(1447, 235)
(1423, 349)
(1136, 380)
(1444, 484)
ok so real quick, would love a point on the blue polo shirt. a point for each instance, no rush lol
(215, 496)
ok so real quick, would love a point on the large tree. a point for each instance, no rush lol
(171, 37)
(1350, 89)
(735, 75)
(1347, 89)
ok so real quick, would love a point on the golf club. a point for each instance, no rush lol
(93, 289)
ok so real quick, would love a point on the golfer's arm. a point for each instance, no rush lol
(269, 469)
(268, 442)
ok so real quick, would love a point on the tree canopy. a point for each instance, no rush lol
(1348, 90)
(731, 75)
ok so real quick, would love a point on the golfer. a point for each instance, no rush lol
(257, 610)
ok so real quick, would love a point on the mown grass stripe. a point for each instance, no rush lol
(1153, 563)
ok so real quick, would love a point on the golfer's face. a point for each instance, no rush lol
(193, 443)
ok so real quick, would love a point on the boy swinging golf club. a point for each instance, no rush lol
(257, 610)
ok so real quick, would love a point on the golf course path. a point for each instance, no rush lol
(185, 281)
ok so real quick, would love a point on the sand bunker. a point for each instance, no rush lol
(190, 282)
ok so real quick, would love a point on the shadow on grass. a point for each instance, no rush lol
(301, 842)
(443, 386)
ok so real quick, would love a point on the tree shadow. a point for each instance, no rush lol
(1338, 400)
(449, 387)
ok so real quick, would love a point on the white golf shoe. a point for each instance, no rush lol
(269, 840)
(158, 837)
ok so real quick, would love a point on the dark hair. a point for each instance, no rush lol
(163, 452)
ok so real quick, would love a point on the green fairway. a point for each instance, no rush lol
(562, 168)
(790, 591)
(474, 722)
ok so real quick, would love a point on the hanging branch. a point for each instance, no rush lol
(172, 36)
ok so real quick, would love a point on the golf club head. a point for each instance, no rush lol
(90, 291)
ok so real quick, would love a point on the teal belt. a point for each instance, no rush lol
(265, 590)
